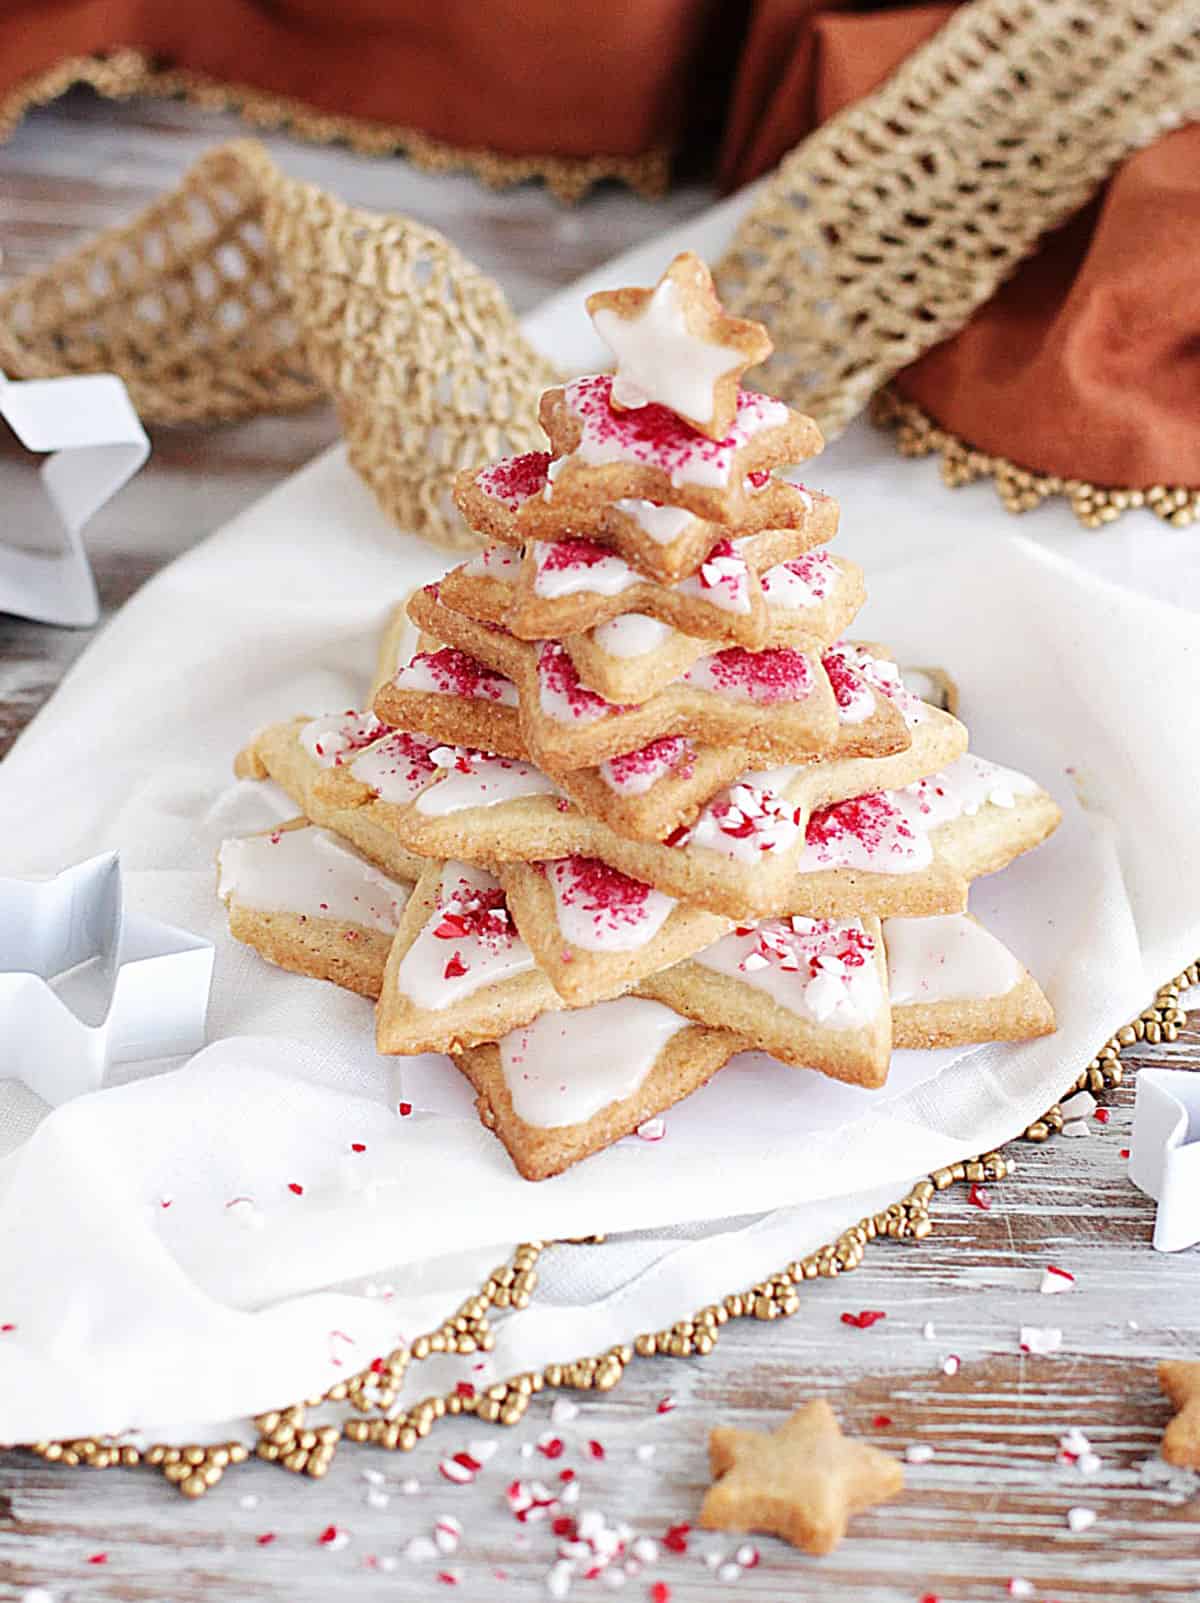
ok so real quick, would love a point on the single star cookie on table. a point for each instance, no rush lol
(1180, 1381)
(802, 1481)
(676, 346)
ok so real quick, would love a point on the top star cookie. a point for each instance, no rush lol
(676, 346)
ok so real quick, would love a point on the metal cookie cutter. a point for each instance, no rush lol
(97, 443)
(84, 984)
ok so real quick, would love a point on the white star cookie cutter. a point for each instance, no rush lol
(1164, 1153)
(84, 984)
(97, 444)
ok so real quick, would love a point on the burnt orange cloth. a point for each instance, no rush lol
(1086, 364)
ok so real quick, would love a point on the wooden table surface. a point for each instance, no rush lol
(992, 1503)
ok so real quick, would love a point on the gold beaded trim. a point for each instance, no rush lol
(286, 1437)
(1021, 489)
(121, 74)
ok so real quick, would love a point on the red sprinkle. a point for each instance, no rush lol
(463, 1388)
(595, 1449)
(864, 1319)
(553, 1448)
(404, 1109)
(265, 1539)
(329, 1534)
(566, 1475)
(378, 1366)
(97, 1558)
(296, 1189)
(665, 1404)
(565, 1527)
(660, 1592)
(358, 1146)
(675, 1541)
(4, 1329)
(1103, 1115)
(881, 1421)
(447, 1578)
(1124, 1152)
(455, 968)
(979, 1198)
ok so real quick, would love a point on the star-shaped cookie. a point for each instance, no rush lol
(1180, 1381)
(802, 1481)
(676, 346)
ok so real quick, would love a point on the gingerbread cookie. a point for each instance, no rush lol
(308, 902)
(570, 1084)
(602, 455)
(1180, 1381)
(458, 972)
(595, 931)
(951, 982)
(677, 347)
(454, 696)
(802, 1481)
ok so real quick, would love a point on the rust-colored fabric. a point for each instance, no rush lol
(1086, 364)
(514, 76)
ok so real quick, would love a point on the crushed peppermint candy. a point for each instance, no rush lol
(633, 773)
(514, 479)
(918, 1453)
(1081, 1519)
(447, 1534)
(1018, 1587)
(1055, 1280)
(333, 1537)
(1040, 1339)
(652, 1129)
(951, 1364)
(864, 1319)
(474, 913)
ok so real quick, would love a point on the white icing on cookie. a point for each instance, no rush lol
(777, 675)
(946, 959)
(450, 672)
(565, 1067)
(659, 523)
(328, 740)
(722, 580)
(469, 941)
(821, 969)
(574, 567)
(561, 694)
(396, 768)
(660, 360)
(310, 872)
(494, 562)
(635, 772)
(803, 582)
(868, 832)
(963, 788)
(655, 437)
(633, 634)
(748, 820)
(477, 779)
(600, 909)
(858, 672)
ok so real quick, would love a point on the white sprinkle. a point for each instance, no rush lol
(420, 1547)
(918, 1453)
(564, 1411)
(729, 1572)
(613, 1577)
(1081, 1519)
(483, 1450)
(1055, 1281)
(339, 1539)
(1074, 1442)
(652, 1129)
(1088, 1463)
(1019, 1587)
(1076, 1127)
(645, 1549)
(36, 1594)
(644, 1452)
(632, 1568)
(714, 1557)
(411, 1486)
(249, 1501)
(1080, 1106)
(373, 1477)
(527, 1449)
(951, 1364)
(387, 1563)
(1040, 1339)
(558, 1579)
(569, 1495)
(1133, 1325)
(377, 1498)
(928, 1331)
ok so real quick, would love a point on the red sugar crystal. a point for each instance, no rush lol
(557, 555)
(864, 1319)
(295, 1189)
(558, 674)
(979, 1198)
(778, 674)
(865, 818)
(515, 478)
(675, 1541)
(660, 1592)
(881, 1421)
(671, 752)
(456, 673)
(455, 968)
(610, 896)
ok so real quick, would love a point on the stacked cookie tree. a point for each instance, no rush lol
(665, 810)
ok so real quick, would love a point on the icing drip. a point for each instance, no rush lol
(468, 942)
(633, 634)
(565, 1067)
(821, 969)
(661, 524)
(868, 832)
(561, 695)
(964, 787)
(946, 959)
(569, 567)
(330, 739)
(745, 821)
(396, 768)
(450, 672)
(636, 772)
(602, 910)
(310, 872)
(659, 358)
(477, 779)
(722, 579)
(803, 582)
(779, 674)
(655, 437)
(515, 478)
(493, 562)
